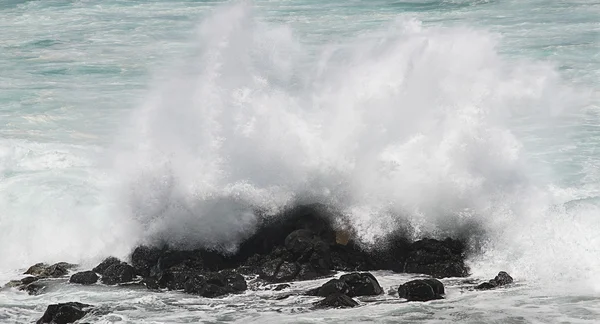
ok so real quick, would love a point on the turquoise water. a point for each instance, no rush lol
(130, 121)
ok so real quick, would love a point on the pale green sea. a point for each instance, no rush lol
(129, 121)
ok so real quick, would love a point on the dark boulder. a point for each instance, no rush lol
(352, 284)
(84, 278)
(29, 279)
(215, 284)
(330, 287)
(101, 268)
(34, 288)
(118, 273)
(362, 284)
(64, 313)
(439, 259)
(176, 277)
(337, 300)
(421, 290)
(144, 258)
(501, 279)
(57, 270)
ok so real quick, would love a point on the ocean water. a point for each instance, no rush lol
(127, 122)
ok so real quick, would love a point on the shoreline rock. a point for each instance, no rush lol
(502, 279)
(421, 290)
(64, 313)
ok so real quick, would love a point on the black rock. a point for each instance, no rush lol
(287, 272)
(144, 258)
(362, 284)
(42, 270)
(337, 300)
(176, 277)
(215, 284)
(84, 278)
(269, 269)
(28, 280)
(501, 279)
(101, 268)
(420, 290)
(36, 269)
(34, 288)
(352, 284)
(300, 241)
(64, 313)
(439, 259)
(438, 286)
(330, 287)
(118, 273)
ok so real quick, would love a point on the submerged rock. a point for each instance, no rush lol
(64, 313)
(352, 284)
(501, 279)
(421, 290)
(337, 300)
(84, 278)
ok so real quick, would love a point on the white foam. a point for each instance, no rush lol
(407, 125)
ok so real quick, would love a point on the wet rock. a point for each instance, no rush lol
(176, 277)
(421, 290)
(501, 279)
(144, 258)
(34, 288)
(101, 268)
(439, 259)
(118, 273)
(36, 269)
(330, 287)
(352, 284)
(28, 280)
(362, 284)
(281, 287)
(337, 300)
(300, 241)
(56, 270)
(287, 272)
(215, 284)
(64, 313)
(84, 278)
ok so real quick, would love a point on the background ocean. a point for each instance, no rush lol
(124, 122)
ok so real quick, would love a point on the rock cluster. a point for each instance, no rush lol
(501, 279)
(302, 243)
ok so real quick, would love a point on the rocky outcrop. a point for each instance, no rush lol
(302, 243)
(421, 290)
(352, 284)
(101, 268)
(118, 273)
(57, 270)
(439, 259)
(84, 278)
(64, 313)
(336, 300)
(501, 279)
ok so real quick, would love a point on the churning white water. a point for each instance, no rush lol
(397, 116)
